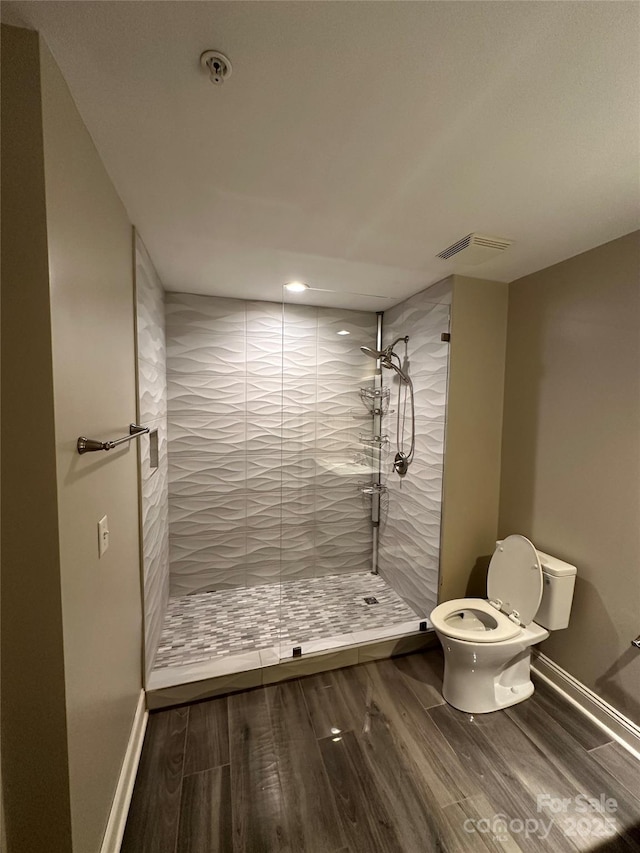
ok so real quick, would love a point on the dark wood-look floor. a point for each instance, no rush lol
(370, 759)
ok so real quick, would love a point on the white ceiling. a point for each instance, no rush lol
(355, 140)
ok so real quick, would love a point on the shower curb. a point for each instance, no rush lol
(264, 673)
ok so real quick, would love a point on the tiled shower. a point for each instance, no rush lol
(256, 524)
(255, 402)
(154, 482)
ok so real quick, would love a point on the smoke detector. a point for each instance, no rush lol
(217, 65)
(475, 249)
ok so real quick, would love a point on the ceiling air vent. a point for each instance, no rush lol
(475, 248)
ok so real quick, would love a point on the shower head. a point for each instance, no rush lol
(386, 353)
(385, 357)
(373, 353)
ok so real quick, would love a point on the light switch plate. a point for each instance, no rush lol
(103, 535)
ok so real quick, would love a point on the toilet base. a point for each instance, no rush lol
(503, 697)
(479, 679)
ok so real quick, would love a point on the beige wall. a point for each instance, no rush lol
(71, 622)
(92, 318)
(473, 434)
(571, 452)
(34, 731)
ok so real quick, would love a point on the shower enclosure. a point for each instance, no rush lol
(287, 524)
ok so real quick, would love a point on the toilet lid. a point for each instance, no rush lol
(515, 578)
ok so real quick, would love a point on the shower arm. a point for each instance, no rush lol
(387, 352)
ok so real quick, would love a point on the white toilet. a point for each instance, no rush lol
(487, 644)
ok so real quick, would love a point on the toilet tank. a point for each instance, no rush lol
(557, 592)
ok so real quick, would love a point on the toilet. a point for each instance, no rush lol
(487, 643)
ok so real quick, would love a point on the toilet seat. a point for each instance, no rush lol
(514, 587)
(504, 628)
(514, 579)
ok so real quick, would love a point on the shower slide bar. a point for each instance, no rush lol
(89, 445)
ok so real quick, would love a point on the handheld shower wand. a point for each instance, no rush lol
(402, 460)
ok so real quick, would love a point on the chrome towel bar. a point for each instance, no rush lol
(88, 445)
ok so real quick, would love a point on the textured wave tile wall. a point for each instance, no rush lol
(152, 412)
(265, 417)
(409, 550)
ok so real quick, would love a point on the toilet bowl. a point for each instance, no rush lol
(487, 643)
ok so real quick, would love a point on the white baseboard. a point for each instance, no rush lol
(605, 716)
(124, 789)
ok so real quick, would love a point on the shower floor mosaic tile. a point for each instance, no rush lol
(207, 625)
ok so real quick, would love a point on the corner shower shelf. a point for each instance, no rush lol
(373, 393)
(374, 440)
(376, 399)
(374, 489)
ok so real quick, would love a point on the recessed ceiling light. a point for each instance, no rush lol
(296, 286)
(343, 332)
